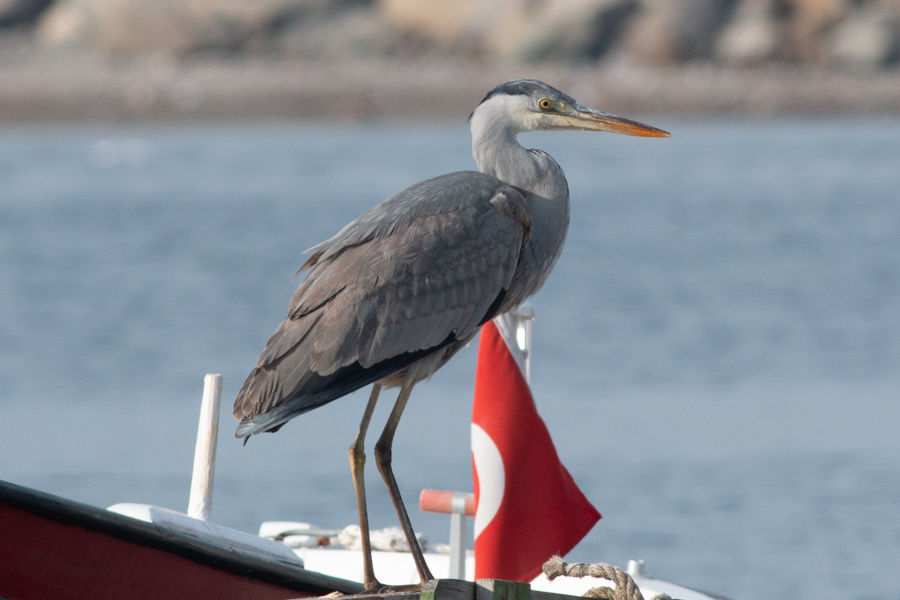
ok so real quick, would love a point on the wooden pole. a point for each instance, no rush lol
(200, 503)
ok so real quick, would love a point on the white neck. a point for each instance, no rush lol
(495, 125)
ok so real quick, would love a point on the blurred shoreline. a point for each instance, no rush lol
(39, 85)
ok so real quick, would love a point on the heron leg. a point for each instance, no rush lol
(357, 465)
(383, 461)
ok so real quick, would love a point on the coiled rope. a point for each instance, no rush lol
(626, 588)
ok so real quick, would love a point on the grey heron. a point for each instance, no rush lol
(397, 292)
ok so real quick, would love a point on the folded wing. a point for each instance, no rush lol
(419, 272)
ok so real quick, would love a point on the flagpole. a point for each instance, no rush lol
(524, 315)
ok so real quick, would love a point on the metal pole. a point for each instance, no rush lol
(458, 537)
(200, 503)
(524, 316)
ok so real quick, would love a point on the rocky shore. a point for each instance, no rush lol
(124, 60)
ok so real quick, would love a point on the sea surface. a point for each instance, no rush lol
(717, 353)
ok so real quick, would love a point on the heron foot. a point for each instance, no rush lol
(380, 588)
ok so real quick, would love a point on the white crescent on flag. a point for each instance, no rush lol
(489, 469)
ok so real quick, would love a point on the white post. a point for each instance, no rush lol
(458, 537)
(200, 503)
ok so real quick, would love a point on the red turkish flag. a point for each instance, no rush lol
(528, 507)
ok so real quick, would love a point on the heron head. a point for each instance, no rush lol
(531, 105)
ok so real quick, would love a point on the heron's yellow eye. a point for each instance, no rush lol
(545, 103)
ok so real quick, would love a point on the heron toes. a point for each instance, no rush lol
(374, 587)
(377, 588)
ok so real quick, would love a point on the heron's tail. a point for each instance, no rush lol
(269, 422)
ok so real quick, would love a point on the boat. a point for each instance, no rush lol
(55, 548)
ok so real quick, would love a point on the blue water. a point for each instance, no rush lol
(717, 353)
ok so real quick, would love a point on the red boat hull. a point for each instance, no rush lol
(55, 549)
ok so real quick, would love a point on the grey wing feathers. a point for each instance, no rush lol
(439, 195)
(411, 275)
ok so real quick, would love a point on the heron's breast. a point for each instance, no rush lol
(550, 224)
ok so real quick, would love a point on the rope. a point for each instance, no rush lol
(626, 588)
